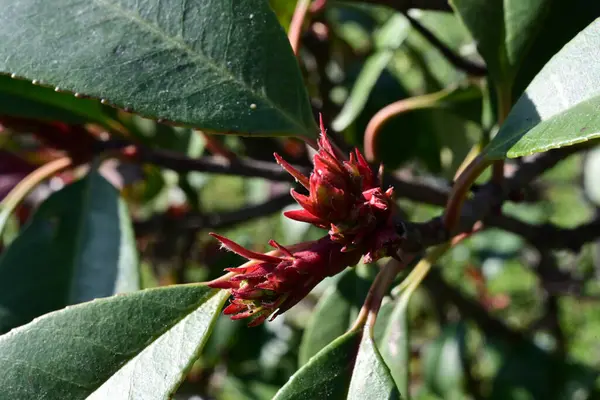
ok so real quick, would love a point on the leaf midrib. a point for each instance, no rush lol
(195, 56)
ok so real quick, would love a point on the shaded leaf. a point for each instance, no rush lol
(388, 39)
(135, 346)
(78, 246)
(224, 65)
(503, 31)
(334, 313)
(565, 20)
(19, 98)
(348, 368)
(284, 10)
(527, 371)
(443, 361)
(559, 108)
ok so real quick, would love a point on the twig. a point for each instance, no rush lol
(221, 220)
(457, 61)
(295, 31)
(392, 110)
(471, 309)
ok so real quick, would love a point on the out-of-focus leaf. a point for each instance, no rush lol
(78, 246)
(420, 66)
(12, 170)
(19, 98)
(503, 31)
(591, 172)
(334, 314)
(528, 372)
(135, 346)
(387, 40)
(348, 368)
(236, 389)
(284, 10)
(224, 66)
(422, 132)
(443, 360)
(559, 107)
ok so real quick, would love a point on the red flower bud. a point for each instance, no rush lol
(346, 197)
(270, 284)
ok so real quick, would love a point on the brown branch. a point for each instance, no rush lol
(220, 220)
(478, 208)
(457, 61)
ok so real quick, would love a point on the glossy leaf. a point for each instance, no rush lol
(503, 31)
(348, 368)
(559, 108)
(135, 346)
(223, 65)
(78, 246)
(19, 98)
(572, 17)
(371, 378)
(334, 314)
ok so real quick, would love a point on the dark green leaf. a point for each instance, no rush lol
(395, 345)
(527, 371)
(138, 344)
(443, 361)
(334, 314)
(559, 108)
(19, 98)
(223, 65)
(503, 31)
(78, 246)
(348, 368)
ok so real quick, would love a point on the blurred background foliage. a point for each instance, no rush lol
(496, 321)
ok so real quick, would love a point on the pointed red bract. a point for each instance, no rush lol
(266, 288)
(346, 197)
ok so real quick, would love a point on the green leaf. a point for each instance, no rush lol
(371, 378)
(78, 246)
(137, 345)
(284, 9)
(334, 314)
(559, 108)
(572, 17)
(395, 346)
(528, 372)
(503, 31)
(443, 360)
(224, 66)
(348, 368)
(19, 98)
(388, 39)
